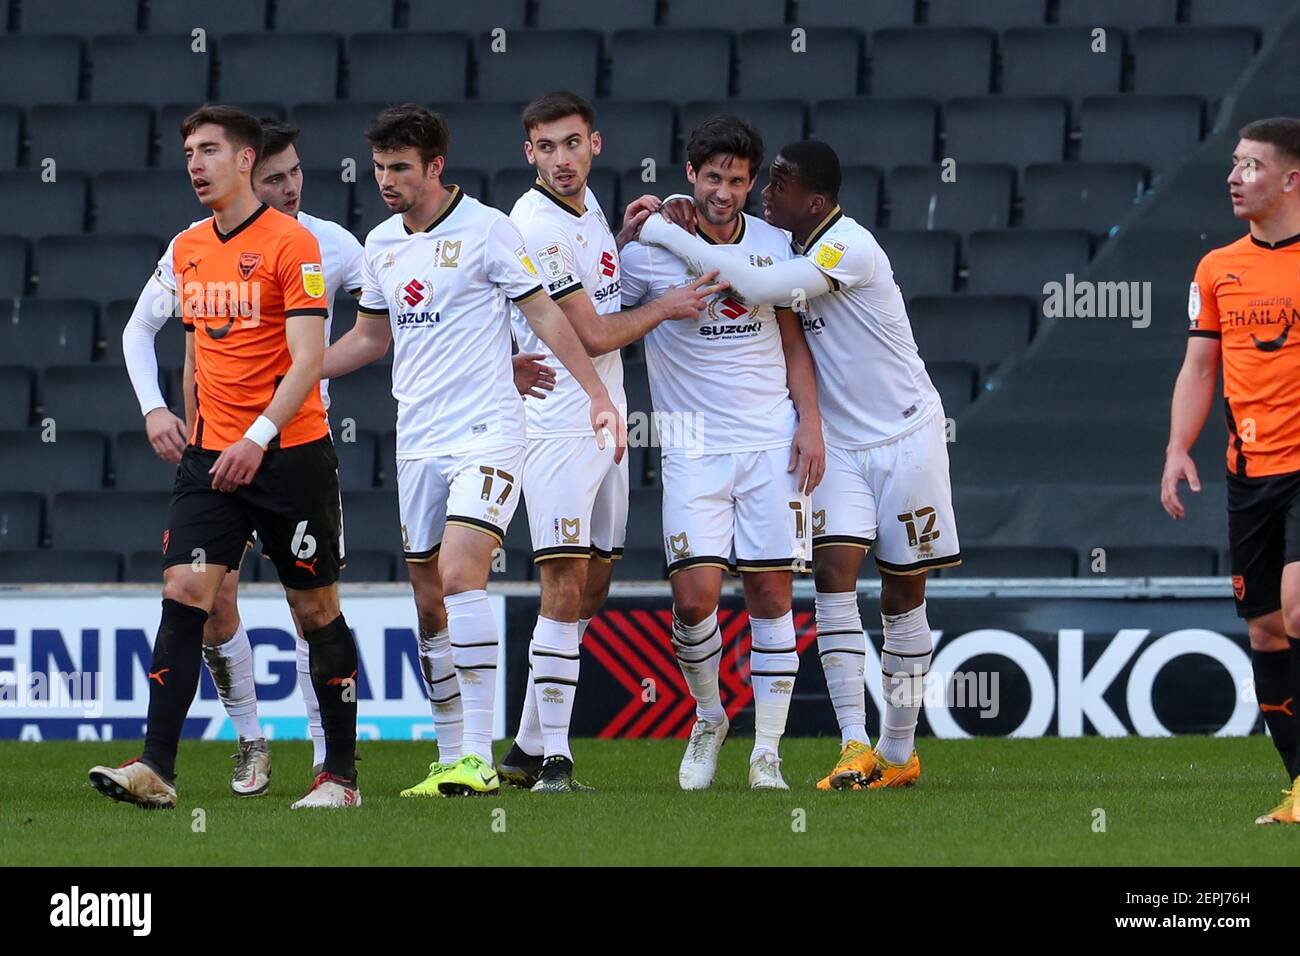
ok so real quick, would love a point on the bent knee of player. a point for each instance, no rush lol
(184, 585)
(1269, 631)
(835, 569)
(900, 593)
(223, 619)
(315, 608)
(768, 594)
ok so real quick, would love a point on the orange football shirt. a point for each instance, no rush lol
(1247, 295)
(236, 291)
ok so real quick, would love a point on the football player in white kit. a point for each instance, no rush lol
(439, 278)
(886, 481)
(575, 495)
(278, 182)
(735, 400)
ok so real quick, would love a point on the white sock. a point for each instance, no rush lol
(529, 738)
(553, 658)
(231, 666)
(444, 693)
(302, 660)
(904, 662)
(699, 654)
(474, 644)
(773, 665)
(842, 646)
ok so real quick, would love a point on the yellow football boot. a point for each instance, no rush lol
(857, 763)
(1284, 812)
(892, 775)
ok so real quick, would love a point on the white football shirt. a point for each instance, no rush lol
(575, 254)
(720, 380)
(340, 258)
(446, 292)
(872, 386)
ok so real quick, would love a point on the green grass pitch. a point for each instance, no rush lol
(1177, 801)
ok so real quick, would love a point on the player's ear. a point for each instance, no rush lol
(595, 142)
(436, 166)
(529, 154)
(690, 173)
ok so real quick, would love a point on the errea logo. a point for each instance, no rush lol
(76, 909)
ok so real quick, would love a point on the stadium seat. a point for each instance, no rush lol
(641, 564)
(1117, 13)
(216, 17)
(15, 396)
(98, 267)
(171, 152)
(370, 521)
(38, 70)
(636, 383)
(924, 263)
(485, 136)
(60, 567)
(9, 137)
(1060, 62)
(123, 520)
(482, 16)
(1157, 131)
(306, 67)
(670, 177)
(91, 397)
(1205, 61)
(373, 210)
(1087, 390)
(89, 138)
(955, 382)
(145, 567)
(44, 209)
(778, 121)
(100, 17)
(333, 16)
(509, 184)
(327, 196)
(168, 345)
(1136, 561)
(20, 521)
(860, 194)
(1196, 197)
(39, 333)
(333, 132)
(1019, 262)
(979, 198)
(73, 461)
(1003, 129)
(538, 60)
(1005, 13)
(596, 15)
(1002, 561)
(152, 202)
(992, 451)
(984, 330)
(1091, 196)
(136, 467)
(13, 267)
(154, 69)
(631, 131)
(958, 62)
(828, 66)
(637, 55)
(368, 566)
(724, 14)
(859, 16)
(366, 397)
(1265, 14)
(356, 453)
(645, 520)
(880, 133)
(435, 67)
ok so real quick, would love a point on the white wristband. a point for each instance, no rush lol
(261, 432)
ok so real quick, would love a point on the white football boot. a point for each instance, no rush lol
(134, 782)
(330, 791)
(700, 762)
(765, 773)
(252, 776)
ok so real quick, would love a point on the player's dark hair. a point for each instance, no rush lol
(241, 129)
(816, 166)
(410, 125)
(277, 136)
(1282, 131)
(550, 107)
(725, 136)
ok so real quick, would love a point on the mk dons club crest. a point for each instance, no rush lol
(448, 253)
(679, 545)
(569, 530)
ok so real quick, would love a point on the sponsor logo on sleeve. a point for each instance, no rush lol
(1194, 305)
(829, 254)
(522, 255)
(313, 280)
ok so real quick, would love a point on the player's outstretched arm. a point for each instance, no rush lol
(602, 333)
(778, 284)
(553, 327)
(153, 308)
(808, 450)
(365, 342)
(1193, 396)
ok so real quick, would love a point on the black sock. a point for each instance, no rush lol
(332, 658)
(173, 679)
(1294, 695)
(1273, 675)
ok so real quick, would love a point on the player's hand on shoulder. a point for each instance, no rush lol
(636, 213)
(680, 212)
(688, 301)
(166, 434)
(606, 418)
(808, 454)
(236, 466)
(533, 378)
(1178, 465)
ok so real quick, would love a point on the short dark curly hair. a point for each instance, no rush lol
(410, 125)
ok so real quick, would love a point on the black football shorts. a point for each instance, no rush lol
(1263, 536)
